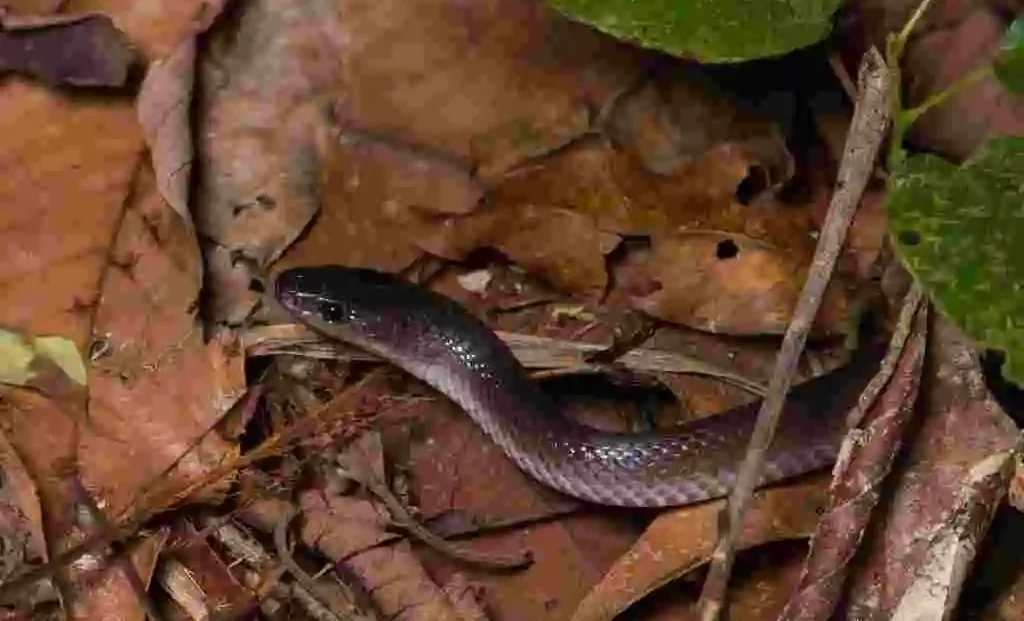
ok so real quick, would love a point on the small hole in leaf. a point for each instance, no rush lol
(726, 249)
(910, 238)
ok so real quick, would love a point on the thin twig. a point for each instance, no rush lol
(888, 365)
(284, 552)
(403, 518)
(867, 130)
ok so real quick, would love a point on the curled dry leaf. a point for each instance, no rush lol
(726, 284)
(82, 50)
(864, 463)
(955, 471)
(683, 539)
(164, 105)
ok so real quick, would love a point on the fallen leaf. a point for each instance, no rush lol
(953, 474)
(464, 484)
(164, 111)
(23, 358)
(159, 386)
(563, 247)
(259, 154)
(725, 284)
(680, 113)
(464, 598)
(106, 590)
(683, 539)
(80, 50)
(21, 519)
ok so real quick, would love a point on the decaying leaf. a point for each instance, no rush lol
(953, 474)
(23, 358)
(727, 284)
(683, 539)
(80, 50)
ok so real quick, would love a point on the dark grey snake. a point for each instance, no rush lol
(439, 342)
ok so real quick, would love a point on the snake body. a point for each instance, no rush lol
(436, 340)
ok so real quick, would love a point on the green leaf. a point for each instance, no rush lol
(1009, 65)
(19, 355)
(960, 231)
(710, 31)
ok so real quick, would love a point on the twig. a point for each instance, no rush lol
(897, 342)
(866, 132)
(864, 462)
(403, 518)
(284, 552)
(253, 554)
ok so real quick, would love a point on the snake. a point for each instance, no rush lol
(439, 342)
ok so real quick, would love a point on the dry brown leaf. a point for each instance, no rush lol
(209, 574)
(84, 50)
(465, 599)
(164, 104)
(365, 187)
(955, 471)
(387, 89)
(683, 539)
(265, 117)
(107, 592)
(728, 284)
(563, 247)
(401, 587)
(462, 482)
(21, 518)
(680, 113)
(491, 82)
(157, 386)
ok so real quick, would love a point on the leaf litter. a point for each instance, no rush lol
(444, 139)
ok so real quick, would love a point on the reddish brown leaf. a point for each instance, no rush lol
(864, 462)
(107, 591)
(463, 483)
(21, 519)
(955, 471)
(683, 539)
(159, 386)
(680, 114)
(563, 247)
(727, 284)
(85, 50)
